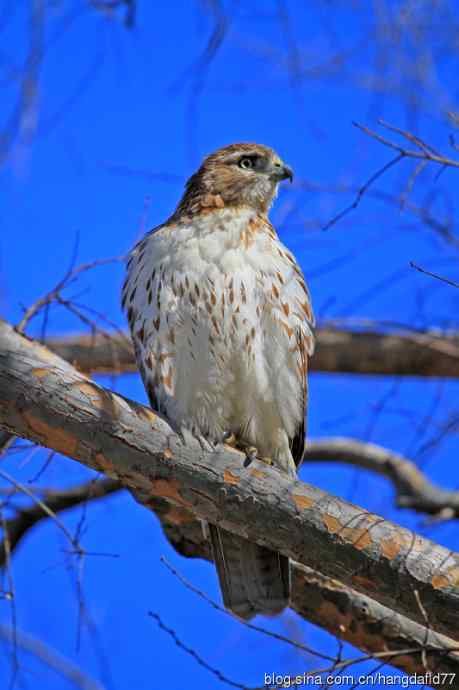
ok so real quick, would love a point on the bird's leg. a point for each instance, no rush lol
(251, 454)
(266, 460)
(250, 451)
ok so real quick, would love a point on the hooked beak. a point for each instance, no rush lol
(282, 172)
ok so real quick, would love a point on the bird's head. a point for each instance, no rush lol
(236, 175)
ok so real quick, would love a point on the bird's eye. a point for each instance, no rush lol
(246, 163)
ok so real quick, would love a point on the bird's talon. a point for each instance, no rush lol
(229, 438)
(251, 453)
(267, 461)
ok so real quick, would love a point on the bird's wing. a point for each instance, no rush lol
(150, 303)
(298, 320)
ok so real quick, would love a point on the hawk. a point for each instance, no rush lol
(221, 320)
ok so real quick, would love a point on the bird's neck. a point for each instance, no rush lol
(200, 197)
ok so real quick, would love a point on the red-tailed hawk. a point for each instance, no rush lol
(222, 326)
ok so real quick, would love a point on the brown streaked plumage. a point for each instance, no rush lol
(220, 183)
(221, 321)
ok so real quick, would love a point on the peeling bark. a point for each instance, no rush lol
(43, 398)
(340, 610)
(344, 612)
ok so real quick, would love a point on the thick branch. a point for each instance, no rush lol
(414, 354)
(414, 490)
(103, 353)
(44, 399)
(341, 610)
(344, 612)
(370, 626)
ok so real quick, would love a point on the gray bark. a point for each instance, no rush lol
(43, 398)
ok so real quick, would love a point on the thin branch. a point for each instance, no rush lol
(22, 122)
(54, 501)
(49, 656)
(44, 303)
(363, 189)
(367, 625)
(411, 180)
(251, 626)
(285, 680)
(43, 507)
(70, 276)
(423, 152)
(423, 213)
(10, 595)
(434, 275)
(191, 652)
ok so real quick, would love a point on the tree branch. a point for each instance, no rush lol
(370, 626)
(339, 609)
(5, 441)
(44, 399)
(414, 490)
(27, 518)
(434, 275)
(344, 612)
(413, 354)
(423, 151)
(51, 658)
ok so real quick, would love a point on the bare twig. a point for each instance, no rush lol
(296, 679)
(199, 660)
(434, 275)
(411, 180)
(423, 152)
(43, 506)
(363, 189)
(23, 120)
(247, 624)
(55, 501)
(10, 595)
(70, 276)
(53, 659)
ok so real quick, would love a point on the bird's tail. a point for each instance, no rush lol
(253, 579)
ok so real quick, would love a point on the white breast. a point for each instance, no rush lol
(217, 318)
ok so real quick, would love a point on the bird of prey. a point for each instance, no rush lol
(221, 321)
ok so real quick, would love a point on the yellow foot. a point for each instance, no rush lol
(267, 461)
(250, 452)
(229, 439)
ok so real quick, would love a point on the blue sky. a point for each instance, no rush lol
(122, 118)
